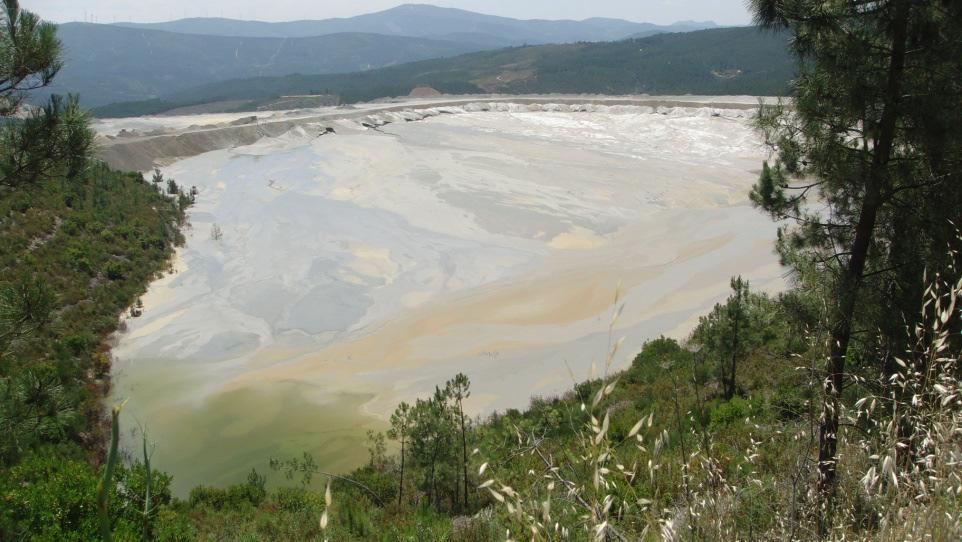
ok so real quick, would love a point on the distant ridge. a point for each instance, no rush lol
(107, 63)
(712, 62)
(133, 62)
(427, 21)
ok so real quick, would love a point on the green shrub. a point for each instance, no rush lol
(69, 227)
(78, 259)
(647, 365)
(790, 402)
(753, 512)
(381, 482)
(295, 499)
(255, 490)
(47, 497)
(210, 497)
(171, 527)
(730, 412)
(20, 204)
(355, 521)
(134, 486)
(114, 270)
(251, 493)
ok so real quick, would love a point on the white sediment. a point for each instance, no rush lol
(363, 268)
(146, 142)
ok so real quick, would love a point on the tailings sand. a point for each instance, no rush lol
(363, 268)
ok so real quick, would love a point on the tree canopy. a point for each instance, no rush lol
(867, 167)
(36, 143)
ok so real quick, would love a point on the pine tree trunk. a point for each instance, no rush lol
(841, 332)
(730, 389)
(431, 486)
(464, 456)
(456, 500)
(432, 496)
(400, 487)
(840, 337)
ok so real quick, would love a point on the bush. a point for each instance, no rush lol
(252, 493)
(353, 518)
(383, 483)
(753, 510)
(647, 364)
(113, 270)
(78, 259)
(255, 490)
(790, 402)
(170, 527)
(730, 412)
(47, 497)
(295, 499)
(134, 485)
(210, 497)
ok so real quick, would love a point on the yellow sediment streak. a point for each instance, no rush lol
(441, 330)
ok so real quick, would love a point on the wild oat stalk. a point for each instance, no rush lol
(148, 483)
(558, 500)
(103, 487)
(900, 478)
(915, 457)
(325, 516)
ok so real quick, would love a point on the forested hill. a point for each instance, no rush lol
(106, 64)
(131, 61)
(718, 61)
(427, 21)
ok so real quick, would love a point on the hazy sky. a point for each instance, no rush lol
(729, 12)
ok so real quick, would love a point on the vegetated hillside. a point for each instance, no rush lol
(720, 61)
(106, 63)
(680, 26)
(75, 254)
(678, 440)
(432, 22)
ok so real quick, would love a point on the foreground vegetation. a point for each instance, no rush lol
(832, 411)
(74, 255)
(654, 452)
(78, 245)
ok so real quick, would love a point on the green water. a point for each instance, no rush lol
(217, 438)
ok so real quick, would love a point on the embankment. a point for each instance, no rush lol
(144, 152)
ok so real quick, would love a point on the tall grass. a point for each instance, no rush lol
(900, 473)
(103, 487)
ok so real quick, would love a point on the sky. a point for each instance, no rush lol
(726, 12)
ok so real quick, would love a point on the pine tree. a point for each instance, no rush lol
(54, 140)
(401, 422)
(31, 55)
(459, 389)
(726, 333)
(867, 165)
(737, 317)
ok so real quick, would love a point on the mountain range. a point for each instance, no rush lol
(107, 64)
(719, 61)
(132, 62)
(427, 21)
